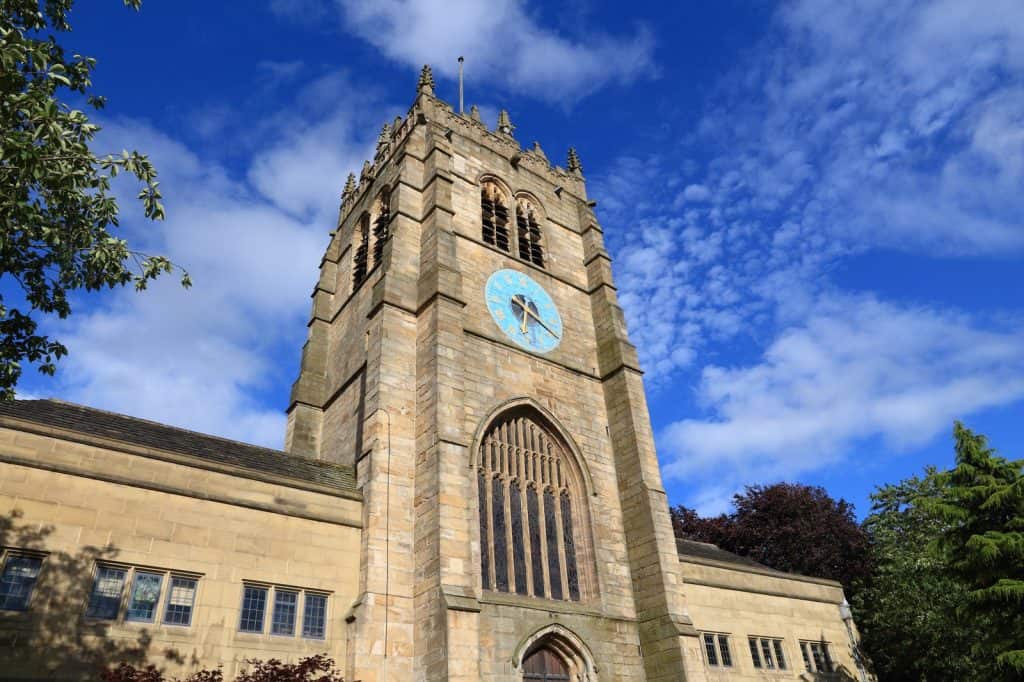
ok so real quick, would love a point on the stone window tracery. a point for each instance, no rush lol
(531, 514)
(528, 232)
(494, 208)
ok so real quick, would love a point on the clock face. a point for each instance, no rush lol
(524, 311)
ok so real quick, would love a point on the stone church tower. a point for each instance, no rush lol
(468, 357)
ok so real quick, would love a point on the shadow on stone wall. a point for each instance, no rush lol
(53, 640)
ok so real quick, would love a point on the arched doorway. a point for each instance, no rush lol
(554, 653)
(544, 664)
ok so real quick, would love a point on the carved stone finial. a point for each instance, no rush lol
(505, 126)
(426, 84)
(350, 188)
(538, 151)
(383, 141)
(573, 162)
(474, 113)
(396, 125)
(365, 175)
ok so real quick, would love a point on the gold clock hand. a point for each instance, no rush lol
(522, 327)
(536, 317)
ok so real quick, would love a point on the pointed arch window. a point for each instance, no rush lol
(381, 224)
(494, 209)
(532, 539)
(528, 232)
(362, 251)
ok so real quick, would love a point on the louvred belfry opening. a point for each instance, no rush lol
(532, 539)
(528, 229)
(494, 210)
(381, 225)
(359, 260)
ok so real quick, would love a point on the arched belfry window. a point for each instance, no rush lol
(528, 232)
(361, 237)
(532, 515)
(494, 209)
(381, 224)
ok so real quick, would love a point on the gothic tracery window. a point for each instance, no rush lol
(362, 244)
(494, 209)
(531, 517)
(381, 224)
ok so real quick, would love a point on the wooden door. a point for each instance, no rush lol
(544, 664)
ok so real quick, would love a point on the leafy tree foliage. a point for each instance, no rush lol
(909, 611)
(56, 204)
(982, 506)
(319, 668)
(787, 526)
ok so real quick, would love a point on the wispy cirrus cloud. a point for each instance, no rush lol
(875, 125)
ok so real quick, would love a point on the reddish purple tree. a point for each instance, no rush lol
(789, 527)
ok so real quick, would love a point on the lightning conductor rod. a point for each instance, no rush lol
(460, 84)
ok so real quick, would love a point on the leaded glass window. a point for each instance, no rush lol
(286, 604)
(816, 656)
(254, 606)
(518, 544)
(180, 600)
(105, 599)
(17, 581)
(144, 597)
(314, 616)
(530, 513)
(716, 649)
(766, 652)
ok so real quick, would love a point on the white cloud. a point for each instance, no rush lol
(215, 357)
(502, 42)
(854, 369)
(696, 193)
(883, 124)
(896, 125)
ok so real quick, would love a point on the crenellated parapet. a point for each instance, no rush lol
(430, 109)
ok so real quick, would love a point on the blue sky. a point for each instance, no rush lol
(815, 209)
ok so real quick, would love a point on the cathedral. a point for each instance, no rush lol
(469, 488)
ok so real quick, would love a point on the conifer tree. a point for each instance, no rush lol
(982, 503)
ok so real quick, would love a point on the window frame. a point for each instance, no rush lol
(717, 639)
(768, 653)
(811, 661)
(130, 597)
(323, 614)
(170, 591)
(131, 572)
(299, 629)
(7, 554)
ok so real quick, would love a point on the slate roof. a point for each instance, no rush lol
(691, 549)
(706, 550)
(141, 432)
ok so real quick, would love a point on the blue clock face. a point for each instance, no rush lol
(524, 311)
